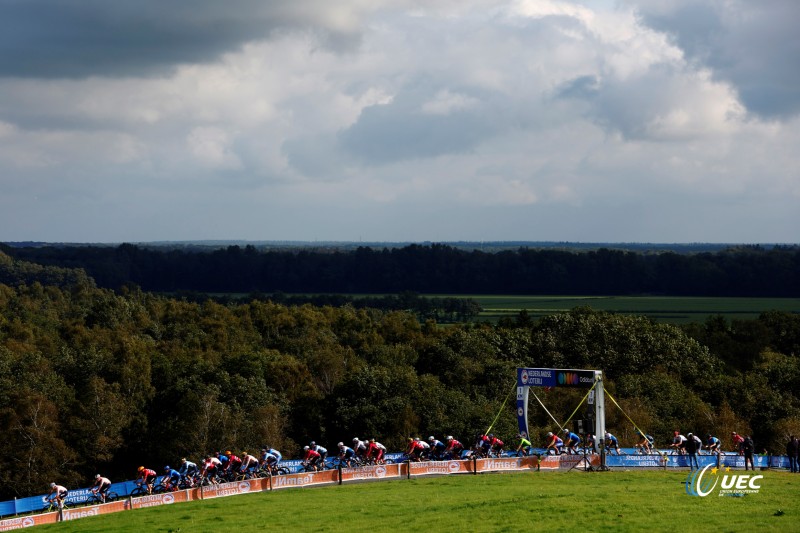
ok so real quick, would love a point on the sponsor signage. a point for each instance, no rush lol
(553, 377)
(305, 480)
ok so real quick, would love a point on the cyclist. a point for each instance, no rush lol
(524, 445)
(249, 463)
(101, 487)
(414, 450)
(495, 445)
(645, 443)
(612, 443)
(713, 444)
(437, 448)
(270, 457)
(346, 454)
(312, 458)
(376, 451)
(234, 463)
(211, 467)
(360, 447)
(58, 494)
(146, 478)
(571, 441)
(454, 448)
(554, 443)
(224, 460)
(678, 443)
(323, 452)
(171, 478)
(483, 446)
(188, 470)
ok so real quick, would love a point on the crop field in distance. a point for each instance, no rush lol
(675, 310)
(618, 500)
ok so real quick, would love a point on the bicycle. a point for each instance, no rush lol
(52, 504)
(95, 499)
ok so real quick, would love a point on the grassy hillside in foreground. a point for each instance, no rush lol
(609, 501)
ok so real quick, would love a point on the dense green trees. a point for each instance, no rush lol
(95, 381)
(434, 269)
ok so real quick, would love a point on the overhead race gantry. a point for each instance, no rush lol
(558, 377)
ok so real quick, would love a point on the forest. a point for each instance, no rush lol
(100, 380)
(432, 269)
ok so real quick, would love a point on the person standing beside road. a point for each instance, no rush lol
(748, 448)
(792, 450)
(691, 449)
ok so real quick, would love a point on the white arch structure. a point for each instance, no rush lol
(561, 377)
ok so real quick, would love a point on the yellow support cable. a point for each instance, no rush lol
(623, 412)
(500, 411)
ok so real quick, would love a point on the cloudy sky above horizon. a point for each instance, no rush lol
(400, 120)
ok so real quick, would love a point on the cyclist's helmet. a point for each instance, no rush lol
(549, 433)
(449, 437)
(52, 485)
(416, 439)
(97, 476)
(566, 431)
(708, 436)
(183, 460)
(372, 440)
(228, 452)
(141, 469)
(341, 445)
(431, 438)
(167, 468)
(689, 434)
(305, 448)
(355, 439)
(490, 435)
(313, 443)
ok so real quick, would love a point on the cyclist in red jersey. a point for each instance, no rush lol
(312, 458)
(454, 448)
(376, 451)
(146, 477)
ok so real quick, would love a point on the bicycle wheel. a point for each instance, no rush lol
(139, 491)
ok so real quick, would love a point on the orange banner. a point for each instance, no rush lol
(27, 521)
(305, 479)
(95, 510)
(233, 488)
(425, 468)
(371, 472)
(506, 463)
(154, 500)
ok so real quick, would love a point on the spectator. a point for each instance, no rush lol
(747, 449)
(691, 449)
(792, 450)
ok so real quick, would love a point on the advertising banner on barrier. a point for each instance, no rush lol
(506, 463)
(426, 468)
(234, 487)
(371, 472)
(154, 500)
(637, 461)
(94, 510)
(565, 462)
(11, 524)
(305, 480)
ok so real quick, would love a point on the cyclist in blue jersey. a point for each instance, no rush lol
(713, 444)
(612, 443)
(323, 452)
(270, 457)
(645, 443)
(571, 441)
(437, 448)
(346, 454)
(171, 478)
(188, 471)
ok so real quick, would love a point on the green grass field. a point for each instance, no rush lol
(531, 501)
(675, 310)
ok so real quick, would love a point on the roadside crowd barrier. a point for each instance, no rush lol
(339, 476)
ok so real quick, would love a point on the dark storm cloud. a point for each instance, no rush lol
(79, 38)
(755, 46)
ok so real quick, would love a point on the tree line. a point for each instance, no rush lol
(433, 269)
(93, 380)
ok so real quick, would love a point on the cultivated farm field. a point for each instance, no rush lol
(668, 309)
(617, 500)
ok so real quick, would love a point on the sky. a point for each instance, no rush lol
(400, 120)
